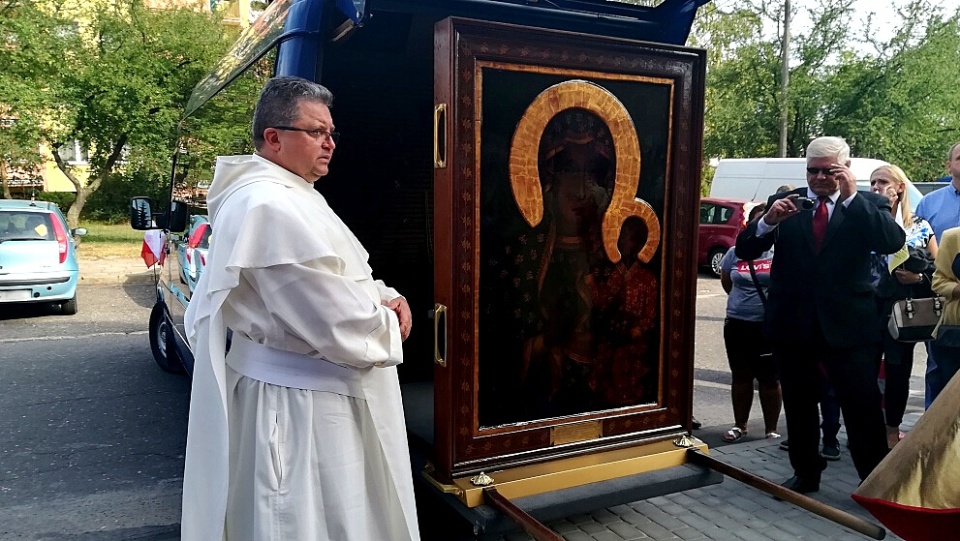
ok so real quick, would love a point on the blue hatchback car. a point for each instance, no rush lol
(38, 258)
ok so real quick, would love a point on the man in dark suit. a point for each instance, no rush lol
(821, 307)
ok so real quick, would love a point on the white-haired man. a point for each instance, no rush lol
(821, 310)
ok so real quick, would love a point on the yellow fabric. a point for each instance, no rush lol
(895, 260)
(944, 281)
(923, 470)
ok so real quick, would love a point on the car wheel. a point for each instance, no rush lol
(164, 353)
(69, 307)
(716, 255)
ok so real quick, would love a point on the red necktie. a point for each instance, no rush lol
(820, 219)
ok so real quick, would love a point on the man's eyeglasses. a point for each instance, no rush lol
(319, 134)
(827, 171)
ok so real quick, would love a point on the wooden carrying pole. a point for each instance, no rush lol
(842, 518)
(531, 525)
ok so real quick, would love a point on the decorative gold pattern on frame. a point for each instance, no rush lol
(476, 49)
(525, 172)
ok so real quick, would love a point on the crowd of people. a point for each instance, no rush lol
(812, 282)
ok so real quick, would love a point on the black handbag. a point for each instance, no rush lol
(914, 320)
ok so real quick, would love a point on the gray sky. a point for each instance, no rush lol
(885, 19)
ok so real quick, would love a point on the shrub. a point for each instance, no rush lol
(111, 202)
(62, 199)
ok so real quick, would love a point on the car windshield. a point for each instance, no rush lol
(20, 225)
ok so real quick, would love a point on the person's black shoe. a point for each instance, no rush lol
(830, 451)
(695, 424)
(802, 485)
(785, 444)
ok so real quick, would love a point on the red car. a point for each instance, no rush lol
(721, 220)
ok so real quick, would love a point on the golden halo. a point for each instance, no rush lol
(525, 172)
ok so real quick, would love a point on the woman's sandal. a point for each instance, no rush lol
(735, 434)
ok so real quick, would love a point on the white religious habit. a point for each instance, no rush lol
(298, 433)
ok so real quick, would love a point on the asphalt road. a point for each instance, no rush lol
(93, 432)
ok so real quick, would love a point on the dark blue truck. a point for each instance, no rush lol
(527, 174)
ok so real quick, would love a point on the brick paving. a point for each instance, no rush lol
(729, 511)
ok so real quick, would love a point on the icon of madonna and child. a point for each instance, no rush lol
(565, 330)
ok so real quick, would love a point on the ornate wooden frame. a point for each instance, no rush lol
(464, 50)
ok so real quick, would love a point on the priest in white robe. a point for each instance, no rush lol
(298, 432)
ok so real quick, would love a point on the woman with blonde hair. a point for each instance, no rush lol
(907, 275)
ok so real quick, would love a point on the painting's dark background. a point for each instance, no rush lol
(508, 314)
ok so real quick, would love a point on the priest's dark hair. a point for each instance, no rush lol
(279, 101)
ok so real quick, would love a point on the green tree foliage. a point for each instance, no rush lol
(123, 75)
(901, 105)
(894, 99)
(29, 70)
(742, 83)
(222, 126)
(111, 203)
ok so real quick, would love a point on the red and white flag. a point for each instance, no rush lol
(152, 251)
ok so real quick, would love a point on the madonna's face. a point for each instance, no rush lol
(576, 201)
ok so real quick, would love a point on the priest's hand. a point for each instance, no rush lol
(404, 316)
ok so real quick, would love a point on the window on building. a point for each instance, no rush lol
(74, 153)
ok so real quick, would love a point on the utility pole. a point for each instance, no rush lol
(784, 78)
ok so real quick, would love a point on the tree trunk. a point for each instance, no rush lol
(93, 183)
(73, 215)
(784, 79)
(3, 181)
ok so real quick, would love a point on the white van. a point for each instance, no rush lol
(756, 179)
